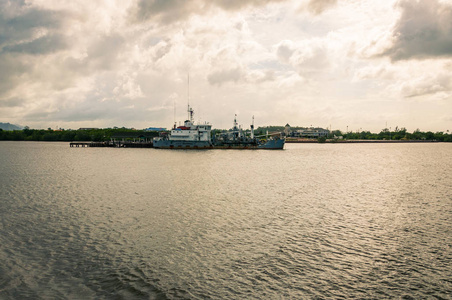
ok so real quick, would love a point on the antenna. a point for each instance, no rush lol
(188, 95)
(252, 129)
(174, 112)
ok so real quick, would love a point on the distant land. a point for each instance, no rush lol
(106, 134)
(9, 126)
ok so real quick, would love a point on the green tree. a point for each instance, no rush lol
(98, 136)
(68, 136)
(81, 136)
(429, 135)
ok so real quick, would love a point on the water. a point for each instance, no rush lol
(311, 221)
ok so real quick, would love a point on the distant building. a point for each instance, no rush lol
(311, 132)
(287, 129)
(155, 129)
(88, 128)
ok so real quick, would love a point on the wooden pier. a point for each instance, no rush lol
(113, 144)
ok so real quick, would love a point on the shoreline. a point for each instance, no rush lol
(308, 141)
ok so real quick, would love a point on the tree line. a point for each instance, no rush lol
(398, 134)
(384, 134)
(88, 135)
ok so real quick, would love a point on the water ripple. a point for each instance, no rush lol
(312, 221)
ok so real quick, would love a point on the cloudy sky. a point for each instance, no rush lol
(100, 63)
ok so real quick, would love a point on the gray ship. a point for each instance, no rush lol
(237, 138)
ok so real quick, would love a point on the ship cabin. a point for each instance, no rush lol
(191, 132)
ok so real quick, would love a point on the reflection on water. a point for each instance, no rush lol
(328, 221)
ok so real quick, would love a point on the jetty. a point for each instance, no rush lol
(121, 140)
(114, 144)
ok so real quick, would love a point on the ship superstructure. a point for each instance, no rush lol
(188, 136)
(237, 138)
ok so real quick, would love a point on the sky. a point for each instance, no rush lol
(339, 64)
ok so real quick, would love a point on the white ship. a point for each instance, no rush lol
(188, 136)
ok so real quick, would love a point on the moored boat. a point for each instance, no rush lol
(198, 136)
(237, 138)
(188, 136)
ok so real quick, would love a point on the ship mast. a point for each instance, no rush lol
(252, 129)
(235, 129)
(189, 110)
(188, 96)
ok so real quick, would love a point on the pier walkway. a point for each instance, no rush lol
(113, 144)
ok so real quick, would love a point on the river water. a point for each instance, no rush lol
(311, 221)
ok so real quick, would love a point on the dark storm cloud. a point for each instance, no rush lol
(30, 35)
(12, 102)
(105, 52)
(21, 28)
(168, 11)
(11, 70)
(25, 30)
(165, 11)
(42, 45)
(424, 30)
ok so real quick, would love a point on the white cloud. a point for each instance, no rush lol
(408, 79)
(222, 76)
(381, 71)
(127, 87)
(318, 6)
(307, 57)
(424, 84)
(285, 50)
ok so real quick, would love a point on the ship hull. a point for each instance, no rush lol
(269, 145)
(276, 144)
(171, 144)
